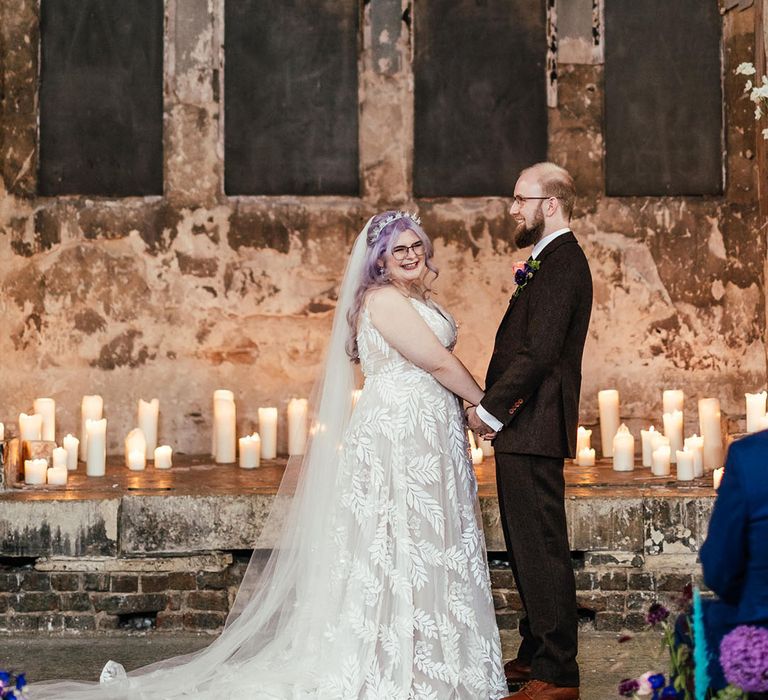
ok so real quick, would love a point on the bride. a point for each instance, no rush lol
(378, 585)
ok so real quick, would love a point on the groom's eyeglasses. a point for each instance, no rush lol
(400, 252)
(520, 200)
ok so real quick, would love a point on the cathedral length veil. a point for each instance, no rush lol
(264, 650)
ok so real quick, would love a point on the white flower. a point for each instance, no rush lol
(765, 134)
(760, 92)
(745, 69)
(748, 86)
(758, 112)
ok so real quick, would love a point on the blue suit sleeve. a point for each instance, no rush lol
(724, 552)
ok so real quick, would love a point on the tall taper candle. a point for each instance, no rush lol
(148, 414)
(91, 408)
(47, 409)
(96, 456)
(608, 404)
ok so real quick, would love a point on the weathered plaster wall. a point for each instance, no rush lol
(175, 296)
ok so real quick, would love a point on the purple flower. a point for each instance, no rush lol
(656, 680)
(656, 613)
(628, 687)
(521, 276)
(670, 692)
(744, 658)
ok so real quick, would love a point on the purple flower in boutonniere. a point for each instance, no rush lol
(523, 271)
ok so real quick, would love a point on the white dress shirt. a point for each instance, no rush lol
(487, 418)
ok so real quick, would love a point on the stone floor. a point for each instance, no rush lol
(604, 662)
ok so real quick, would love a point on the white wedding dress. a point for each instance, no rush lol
(382, 589)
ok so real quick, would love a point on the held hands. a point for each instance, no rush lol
(483, 430)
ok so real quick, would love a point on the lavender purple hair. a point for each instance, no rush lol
(374, 276)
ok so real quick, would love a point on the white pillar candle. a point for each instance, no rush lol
(59, 458)
(762, 423)
(224, 394)
(717, 477)
(47, 409)
(672, 400)
(660, 461)
(586, 458)
(709, 423)
(91, 408)
(57, 476)
(35, 471)
(250, 451)
(646, 438)
(71, 444)
(136, 461)
(30, 427)
(2, 432)
(297, 426)
(148, 415)
(477, 455)
(684, 465)
(136, 443)
(356, 394)
(695, 445)
(673, 429)
(485, 446)
(583, 440)
(755, 410)
(96, 454)
(224, 427)
(623, 450)
(163, 457)
(268, 432)
(608, 404)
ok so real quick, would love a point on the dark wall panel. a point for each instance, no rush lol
(101, 97)
(291, 97)
(663, 121)
(481, 112)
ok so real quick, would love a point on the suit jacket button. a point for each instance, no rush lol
(511, 411)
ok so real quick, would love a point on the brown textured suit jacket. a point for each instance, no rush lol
(534, 378)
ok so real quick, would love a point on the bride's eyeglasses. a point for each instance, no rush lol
(400, 252)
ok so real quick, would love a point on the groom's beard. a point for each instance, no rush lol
(531, 235)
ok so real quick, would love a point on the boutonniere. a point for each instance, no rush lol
(523, 272)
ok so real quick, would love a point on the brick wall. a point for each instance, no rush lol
(170, 598)
(614, 591)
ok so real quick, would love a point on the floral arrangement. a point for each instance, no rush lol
(523, 271)
(757, 93)
(12, 686)
(743, 656)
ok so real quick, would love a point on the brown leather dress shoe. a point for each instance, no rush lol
(541, 690)
(517, 671)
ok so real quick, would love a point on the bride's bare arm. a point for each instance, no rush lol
(405, 330)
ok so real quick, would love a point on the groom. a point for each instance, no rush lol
(532, 403)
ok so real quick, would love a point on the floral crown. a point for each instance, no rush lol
(374, 233)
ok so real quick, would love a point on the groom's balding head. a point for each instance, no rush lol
(554, 182)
